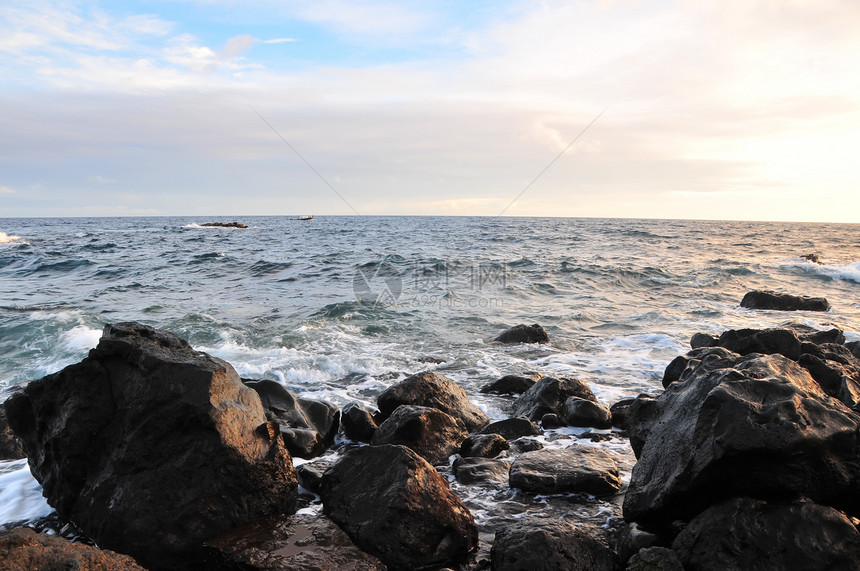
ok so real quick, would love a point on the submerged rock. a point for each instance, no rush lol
(755, 425)
(396, 506)
(291, 543)
(435, 391)
(761, 299)
(744, 533)
(484, 446)
(151, 447)
(547, 396)
(576, 469)
(428, 431)
(524, 334)
(480, 470)
(22, 548)
(552, 545)
(224, 224)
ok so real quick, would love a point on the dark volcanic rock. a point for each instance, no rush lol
(548, 396)
(521, 445)
(655, 559)
(358, 422)
(757, 425)
(836, 369)
(577, 469)
(428, 431)
(581, 412)
(549, 545)
(512, 428)
(702, 340)
(620, 412)
(23, 549)
(631, 538)
(682, 365)
(436, 391)
(759, 299)
(480, 470)
(224, 224)
(484, 446)
(310, 474)
(641, 416)
(11, 447)
(551, 420)
(524, 334)
(396, 506)
(854, 347)
(752, 534)
(764, 341)
(511, 385)
(151, 447)
(291, 543)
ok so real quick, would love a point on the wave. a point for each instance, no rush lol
(64, 266)
(7, 239)
(849, 272)
(263, 268)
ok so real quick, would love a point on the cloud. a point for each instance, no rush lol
(7, 190)
(101, 179)
(280, 40)
(235, 46)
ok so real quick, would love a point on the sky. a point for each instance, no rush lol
(691, 109)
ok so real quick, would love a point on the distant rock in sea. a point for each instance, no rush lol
(225, 224)
(761, 299)
(524, 334)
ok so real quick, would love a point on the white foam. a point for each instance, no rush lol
(7, 239)
(20, 494)
(850, 272)
(80, 338)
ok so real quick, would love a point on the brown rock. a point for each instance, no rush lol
(22, 549)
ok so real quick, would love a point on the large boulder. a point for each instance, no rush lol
(744, 533)
(550, 545)
(433, 390)
(151, 447)
(291, 543)
(23, 549)
(396, 506)
(576, 469)
(524, 334)
(428, 431)
(762, 299)
(757, 425)
(581, 412)
(547, 396)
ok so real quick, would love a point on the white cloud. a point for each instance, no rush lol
(7, 190)
(280, 40)
(101, 179)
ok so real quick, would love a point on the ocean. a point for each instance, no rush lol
(340, 308)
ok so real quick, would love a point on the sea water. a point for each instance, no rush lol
(340, 308)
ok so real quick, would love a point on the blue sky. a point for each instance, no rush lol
(714, 109)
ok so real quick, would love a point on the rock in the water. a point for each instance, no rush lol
(524, 334)
(288, 543)
(358, 422)
(702, 340)
(224, 224)
(765, 341)
(512, 428)
(151, 447)
(655, 559)
(484, 446)
(620, 412)
(757, 425)
(549, 545)
(641, 416)
(480, 470)
(310, 474)
(548, 396)
(836, 369)
(760, 299)
(521, 445)
(396, 506)
(580, 412)
(576, 469)
(511, 385)
(814, 258)
(433, 390)
(854, 347)
(428, 431)
(22, 549)
(682, 365)
(11, 447)
(745, 533)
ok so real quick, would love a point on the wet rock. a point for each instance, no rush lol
(631, 538)
(837, 370)
(224, 224)
(358, 422)
(752, 534)
(288, 543)
(484, 446)
(550, 545)
(576, 469)
(581, 412)
(814, 258)
(682, 365)
(760, 299)
(480, 470)
(702, 340)
(396, 506)
(642, 415)
(22, 548)
(308, 426)
(806, 333)
(433, 390)
(757, 425)
(428, 431)
(854, 347)
(512, 428)
(765, 341)
(548, 396)
(310, 474)
(524, 334)
(511, 385)
(551, 420)
(521, 445)
(620, 412)
(655, 559)
(11, 447)
(151, 447)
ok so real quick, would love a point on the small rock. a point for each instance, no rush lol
(581, 412)
(760, 299)
(358, 423)
(702, 340)
(480, 470)
(576, 469)
(23, 549)
(631, 538)
(310, 474)
(436, 391)
(620, 412)
(548, 396)
(551, 420)
(484, 446)
(512, 428)
(511, 385)
(521, 445)
(536, 544)
(524, 334)
(428, 431)
(765, 341)
(655, 559)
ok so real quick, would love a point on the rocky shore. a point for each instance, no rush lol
(749, 458)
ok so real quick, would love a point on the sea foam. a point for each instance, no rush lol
(21, 496)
